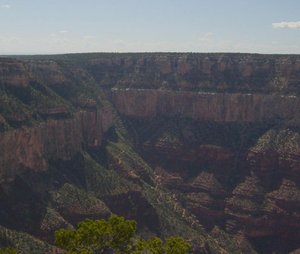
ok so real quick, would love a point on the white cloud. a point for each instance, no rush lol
(5, 6)
(285, 24)
(63, 31)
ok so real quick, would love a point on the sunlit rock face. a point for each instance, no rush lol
(31, 147)
(214, 107)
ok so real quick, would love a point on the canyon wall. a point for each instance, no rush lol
(32, 147)
(197, 72)
(234, 156)
(214, 107)
(13, 73)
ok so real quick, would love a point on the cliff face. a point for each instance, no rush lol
(194, 72)
(46, 115)
(276, 153)
(215, 107)
(31, 147)
(13, 73)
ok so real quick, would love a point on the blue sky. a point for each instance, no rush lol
(62, 26)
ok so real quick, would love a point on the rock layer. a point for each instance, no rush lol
(13, 73)
(32, 147)
(198, 72)
(215, 107)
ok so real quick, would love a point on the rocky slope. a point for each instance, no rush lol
(202, 145)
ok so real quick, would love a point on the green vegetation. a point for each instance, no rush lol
(103, 182)
(115, 235)
(173, 245)
(230, 244)
(281, 140)
(70, 197)
(8, 250)
(23, 243)
(12, 108)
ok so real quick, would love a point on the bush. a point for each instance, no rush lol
(8, 250)
(115, 235)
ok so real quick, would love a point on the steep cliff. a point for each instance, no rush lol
(215, 107)
(197, 72)
(14, 73)
(30, 148)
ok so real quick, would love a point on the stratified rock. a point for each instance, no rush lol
(207, 182)
(168, 180)
(245, 204)
(31, 147)
(13, 73)
(194, 72)
(285, 201)
(205, 199)
(217, 107)
(288, 191)
(273, 215)
(47, 72)
(54, 112)
(277, 152)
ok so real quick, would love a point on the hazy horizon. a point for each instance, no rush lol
(234, 26)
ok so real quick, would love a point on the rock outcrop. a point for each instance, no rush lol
(14, 73)
(276, 154)
(214, 107)
(31, 147)
(198, 72)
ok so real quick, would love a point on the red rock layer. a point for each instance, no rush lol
(13, 73)
(216, 107)
(31, 147)
(194, 72)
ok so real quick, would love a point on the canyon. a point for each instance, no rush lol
(206, 146)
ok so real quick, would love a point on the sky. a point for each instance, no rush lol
(69, 26)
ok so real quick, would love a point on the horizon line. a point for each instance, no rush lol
(137, 52)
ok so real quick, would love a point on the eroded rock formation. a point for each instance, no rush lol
(215, 107)
(31, 147)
